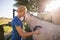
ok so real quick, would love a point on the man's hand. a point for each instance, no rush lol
(37, 32)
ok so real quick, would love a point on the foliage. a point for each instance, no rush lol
(7, 29)
(27, 29)
(30, 4)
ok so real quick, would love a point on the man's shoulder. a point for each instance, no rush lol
(14, 19)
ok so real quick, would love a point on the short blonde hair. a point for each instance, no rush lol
(21, 8)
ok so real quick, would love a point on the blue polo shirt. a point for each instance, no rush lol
(16, 22)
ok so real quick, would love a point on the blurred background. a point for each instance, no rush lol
(47, 10)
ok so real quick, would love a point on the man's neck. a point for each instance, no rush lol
(18, 16)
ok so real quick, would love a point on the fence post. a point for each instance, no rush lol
(1, 32)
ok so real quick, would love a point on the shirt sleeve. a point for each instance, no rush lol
(17, 23)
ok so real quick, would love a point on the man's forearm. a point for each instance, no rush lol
(25, 35)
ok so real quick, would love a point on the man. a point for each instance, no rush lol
(17, 25)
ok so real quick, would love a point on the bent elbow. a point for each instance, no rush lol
(23, 36)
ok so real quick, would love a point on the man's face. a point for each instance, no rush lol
(21, 13)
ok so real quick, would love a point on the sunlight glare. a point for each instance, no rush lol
(51, 6)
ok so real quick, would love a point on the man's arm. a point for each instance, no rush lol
(24, 35)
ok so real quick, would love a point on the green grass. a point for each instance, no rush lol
(7, 29)
(5, 21)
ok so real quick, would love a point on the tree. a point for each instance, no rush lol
(30, 4)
